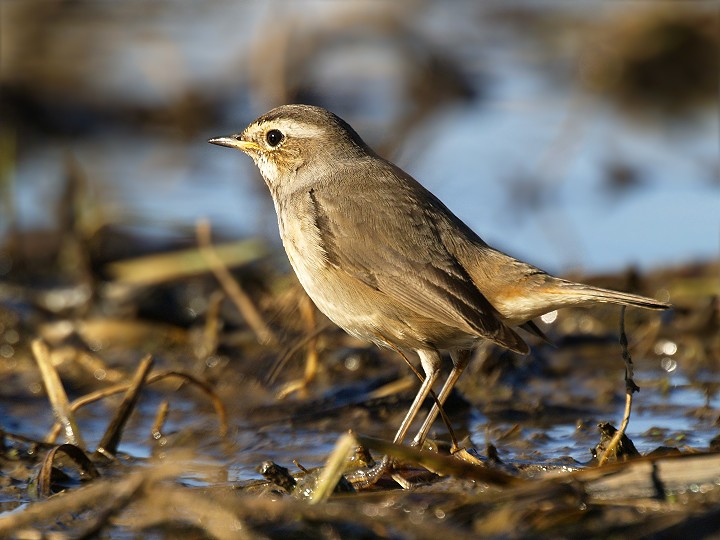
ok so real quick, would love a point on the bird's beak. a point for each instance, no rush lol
(234, 141)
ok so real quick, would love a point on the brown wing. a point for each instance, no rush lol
(385, 234)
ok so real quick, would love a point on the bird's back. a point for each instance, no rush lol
(381, 235)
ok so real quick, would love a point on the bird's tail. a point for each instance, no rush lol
(556, 293)
(585, 294)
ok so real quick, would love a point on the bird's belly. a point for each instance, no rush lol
(332, 294)
(361, 310)
(350, 304)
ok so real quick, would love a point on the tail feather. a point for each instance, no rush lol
(533, 329)
(540, 293)
(588, 293)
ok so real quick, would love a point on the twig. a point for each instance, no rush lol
(89, 496)
(630, 389)
(285, 358)
(171, 504)
(152, 378)
(122, 495)
(334, 467)
(307, 309)
(77, 455)
(307, 312)
(149, 270)
(444, 465)
(213, 324)
(56, 394)
(111, 439)
(160, 417)
(241, 300)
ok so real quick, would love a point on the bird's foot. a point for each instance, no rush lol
(365, 478)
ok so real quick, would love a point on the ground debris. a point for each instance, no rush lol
(180, 451)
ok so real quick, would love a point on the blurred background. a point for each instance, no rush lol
(582, 137)
(577, 136)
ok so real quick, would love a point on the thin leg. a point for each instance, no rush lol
(430, 361)
(460, 361)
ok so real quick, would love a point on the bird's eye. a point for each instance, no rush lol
(273, 137)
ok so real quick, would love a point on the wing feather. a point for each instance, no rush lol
(400, 252)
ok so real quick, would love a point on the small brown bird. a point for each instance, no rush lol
(386, 261)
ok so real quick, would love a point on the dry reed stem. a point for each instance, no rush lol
(150, 270)
(152, 378)
(111, 438)
(444, 465)
(307, 310)
(630, 388)
(56, 394)
(307, 313)
(282, 361)
(334, 468)
(160, 417)
(174, 504)
(241, 300)
(77, 455)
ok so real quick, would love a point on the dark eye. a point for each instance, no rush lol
(273, 137)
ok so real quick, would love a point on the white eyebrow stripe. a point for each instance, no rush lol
(294, 128)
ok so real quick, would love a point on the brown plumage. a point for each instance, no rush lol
(385, 260)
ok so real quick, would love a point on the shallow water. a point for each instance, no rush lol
(532, 160)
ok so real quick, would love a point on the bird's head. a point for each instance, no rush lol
(292, 137)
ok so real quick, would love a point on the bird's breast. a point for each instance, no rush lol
(303, 240)
(346, 301)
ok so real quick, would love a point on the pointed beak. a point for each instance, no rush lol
(234, 141)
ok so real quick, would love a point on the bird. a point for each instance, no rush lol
(387, 261)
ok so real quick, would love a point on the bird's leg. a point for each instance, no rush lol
(460, 361)
(430, 361)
